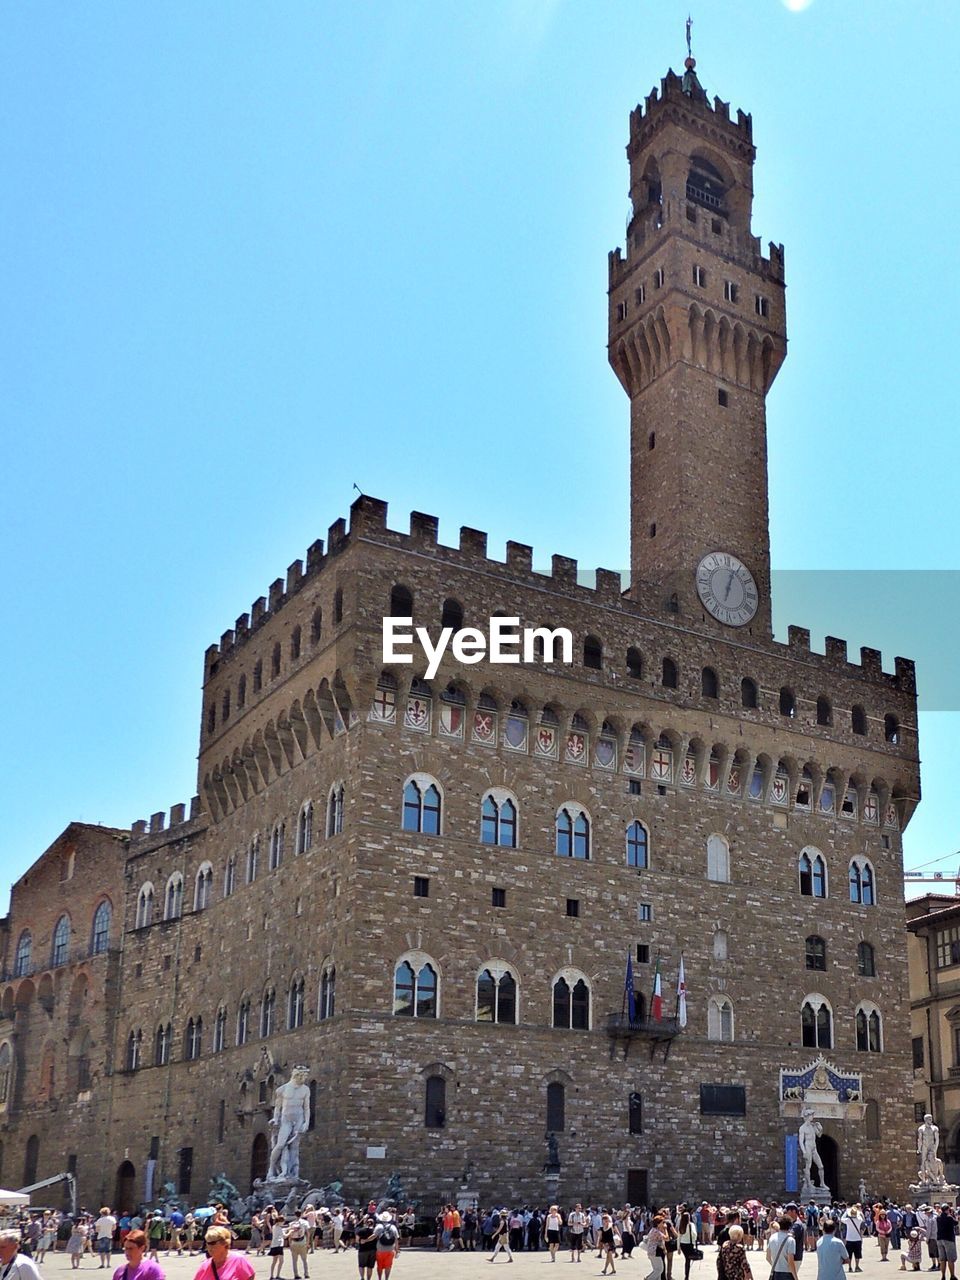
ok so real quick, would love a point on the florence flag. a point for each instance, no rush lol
(656, 1002)
(681, 994)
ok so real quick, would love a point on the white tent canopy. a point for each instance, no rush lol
(11, 1199)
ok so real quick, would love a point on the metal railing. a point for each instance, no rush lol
(620, 1024)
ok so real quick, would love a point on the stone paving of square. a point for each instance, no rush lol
(427, 1264)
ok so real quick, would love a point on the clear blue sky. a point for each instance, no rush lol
(254, 253)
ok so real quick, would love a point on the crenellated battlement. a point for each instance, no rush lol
(671, 93)
(591, 588)
(180, 817)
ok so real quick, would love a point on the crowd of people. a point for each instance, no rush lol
(664, 1238)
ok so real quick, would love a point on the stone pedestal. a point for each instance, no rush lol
(285, 1193)
(819, 1195)
(934, 1192)
(551, 1182)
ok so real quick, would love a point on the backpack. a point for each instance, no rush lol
(389, 1233)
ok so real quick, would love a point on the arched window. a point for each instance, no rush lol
(415, 989)
(253, 857)
(498, 820)
(295, 1005)
(815, 953)
(275, 660)
(451, 615)
(824, 711)
(328, 992)
(858, 720)
(225, 706)
(705, 185)
(305, 828)
(861, 882)
(316, 626)
(243, 1021)
(24, 948)
(401, 602)
(891, 728)
(718, 859)
(193, 1040)
(709, 684)
(593, 653)
(258, 675)
(816, 1023)
(230, 876)
(788, 703)
(338, 606)
(241, 693)
(496, 995)
(637, 845)
(276, 845)
(720, 1019)
(556, 1107)
(100, 936)
(268, 1008)
(61, 941)
(161, 1045)
(134, 1044)
(634, 664)
(335, 810)
(220, 1030)
(571, 1002)
(295, 643)
(572, 827)
(203, 887)
(435, 1102)
(669, 678)
(421, 806)
(813, 874)
(866, 964)
(6, 1062)
(748, 693)
(869, 1029)
(173, 898)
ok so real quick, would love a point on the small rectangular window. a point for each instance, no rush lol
(644, 911)
(636, 1113)
(661, 789)
(640, 296)
(723, 398)
(691, 213)
(762, 305)
(730, 291)
(633, 787)
(573, 907)
(621, 311)
(723, 1100)
(699, 275)
(166, 962)
(421, 886)
(658, 278)
(499, 897)
(917, 1046)
(919, 1111)
(643, 953)
(716, 226)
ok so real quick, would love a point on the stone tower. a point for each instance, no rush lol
(697, 334)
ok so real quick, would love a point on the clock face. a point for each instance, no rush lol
(726, 587)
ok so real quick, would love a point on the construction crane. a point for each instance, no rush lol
(68, 1178)
(938, 877)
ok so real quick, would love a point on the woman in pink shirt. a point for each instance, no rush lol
(137, 1266)
(220, 1263)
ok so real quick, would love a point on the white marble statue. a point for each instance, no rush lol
(291, 1116)
(810, 1131)
(928, 1140)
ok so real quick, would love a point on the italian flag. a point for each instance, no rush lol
(656, 1002)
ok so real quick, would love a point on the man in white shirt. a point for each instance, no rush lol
(104, 1227)
(13, 1264)
(853, 1227)
(298, 1242)
(782, 1251)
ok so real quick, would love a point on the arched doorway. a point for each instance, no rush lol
(259, 1158)
(125, 1194)
(829, 1154)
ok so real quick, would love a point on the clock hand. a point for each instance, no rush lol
(726, 594)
